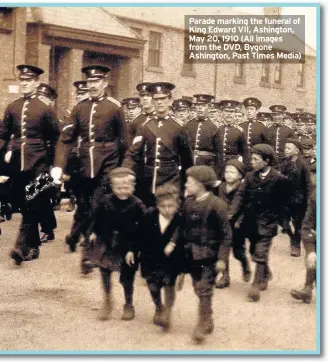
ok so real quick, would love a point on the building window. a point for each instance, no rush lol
(278, 73)
(155, 40)
(239, 70)
(301, 75)
(265, 72)
(6, 19)
(188, 64)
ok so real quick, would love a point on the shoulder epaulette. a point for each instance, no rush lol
(239, 128)
(45, 101)
(111, 99)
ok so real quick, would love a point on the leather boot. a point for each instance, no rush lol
(128, 312)
(71, 242)
(106, 308)
(263, 285)
(72, 204)
(246, 269)
(47, 237)
(33, 254)
(205, 323)
(254, 292)
(306, 293)
(169, 297)
(157, 319)
(17, 255)
(225, 279)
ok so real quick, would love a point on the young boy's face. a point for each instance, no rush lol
(231, 174)
(122, 187)
(291, 150)
(168, 207)
(258, 163)
(193, 187)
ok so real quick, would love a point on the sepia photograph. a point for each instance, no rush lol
(158, 189)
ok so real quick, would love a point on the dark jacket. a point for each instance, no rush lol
(35, 129)
(137, 122)
(164, 148)
(298, 174)
(116, 225)
(262, 203)
(308, 231)
(100, 123)
(278, 134)
(153, 242)
(255, 133)
(206, 229)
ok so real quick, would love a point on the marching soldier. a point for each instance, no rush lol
(181, 108)
(73, 167)
(265, 118)
(147, 106)
(202, 134)
(99, 121)
(278, 132)
(230, 137)
(48, 223)
(161, 144)
(193, 111)
(34, 125)
(239, 114)
(132, 107)
(132, 110)
(213, 113)
(255, 131)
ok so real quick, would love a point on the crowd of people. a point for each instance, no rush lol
(170, 186)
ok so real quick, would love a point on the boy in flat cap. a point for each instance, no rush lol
(114, 233)
(261, 199)
(309, 241)
(99, 122)
(160, 146)
(255, 131)
(278, 132)
(207, 239)
(298, 173)
(34, 126)
(234, 172)
(161, 253)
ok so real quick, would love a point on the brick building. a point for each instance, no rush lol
(138, 44)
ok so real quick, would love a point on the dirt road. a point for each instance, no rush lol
(46, 305)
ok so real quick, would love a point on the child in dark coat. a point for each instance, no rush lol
(261, 198)
(234, 172)
(207, 239)
(309, 237)
(114, 234)
(296, 169)
(160, 247)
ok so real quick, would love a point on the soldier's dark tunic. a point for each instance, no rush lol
(278, 134)
(202, 134)
(298, 174)
(163, 146)
(104, 140)
(138, 121)
(255, 133)
(35, 129)
(232, 145)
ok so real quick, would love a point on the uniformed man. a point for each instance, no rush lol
(99, 121)
(239, 114)
(132, 108)
(73, 167)
(278, 132)
(230, 137)
(289, 120)
(34, 125)
(255, 131)
(265, 118)
(213, 113)
(181, 108)
(147, 111)
(193, 111)
(48, 223)
(161, 144)
(202, 133)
